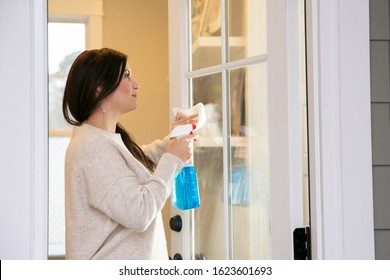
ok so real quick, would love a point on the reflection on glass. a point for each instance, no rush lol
(206, 33)
(249, 183)
(247, 28)
(208, 160)
(249, 160)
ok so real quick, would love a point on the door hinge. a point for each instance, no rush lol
(302, 244)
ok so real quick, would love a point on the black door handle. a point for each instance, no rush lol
(175, 223)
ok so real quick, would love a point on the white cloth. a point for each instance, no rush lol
(186, 129)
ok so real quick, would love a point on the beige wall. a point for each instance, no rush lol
(140, 30)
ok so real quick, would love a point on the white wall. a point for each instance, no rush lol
(23, 126)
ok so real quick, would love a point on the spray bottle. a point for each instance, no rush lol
(185, 191)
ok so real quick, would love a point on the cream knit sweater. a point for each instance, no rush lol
(113, 204)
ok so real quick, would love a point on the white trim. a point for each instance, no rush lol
(39, 133)
(178, 58)
(285, 131)
(23, 161)
(355, 124)
(178, 63)
(340, 130)
(314, 129)
(329, 130)
(227, 186)
(295, 129)
(226, 66)
(279, 143)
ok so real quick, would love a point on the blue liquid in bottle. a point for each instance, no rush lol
(185, 192)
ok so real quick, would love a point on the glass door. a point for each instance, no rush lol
(225, 66)
(232, 155)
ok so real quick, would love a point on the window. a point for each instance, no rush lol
(65, 42)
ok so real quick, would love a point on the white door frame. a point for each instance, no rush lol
(340, 129)
(24, 126)
(284, 126)
(340, 150)
(287, 214)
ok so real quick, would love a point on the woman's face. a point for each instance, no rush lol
(124, 98)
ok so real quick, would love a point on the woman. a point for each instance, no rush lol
(114, 189)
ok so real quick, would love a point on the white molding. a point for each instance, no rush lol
(356, 159)
(295, 129)
(226, 66)
(328, 169)
(39, 133)
(178, 63)
(314, 128)
(178, 57)
(279, 154)
(339, 114)
(23, 149)
(285, 131)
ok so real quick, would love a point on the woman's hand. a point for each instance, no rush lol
(182, 119)
(182, 147)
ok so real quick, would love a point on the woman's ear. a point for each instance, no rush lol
(98, 90)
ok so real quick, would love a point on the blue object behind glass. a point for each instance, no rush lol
(185, 192)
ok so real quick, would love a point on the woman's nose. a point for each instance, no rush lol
(136, 85)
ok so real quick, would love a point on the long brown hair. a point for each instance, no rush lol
(92, 69)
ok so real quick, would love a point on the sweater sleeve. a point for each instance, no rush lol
(156, 149)
(120, 192)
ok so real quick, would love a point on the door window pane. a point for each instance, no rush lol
(249, 163)
(232, 156)
(245, 184)
(208, 162)
(205, 33)
(247, 28)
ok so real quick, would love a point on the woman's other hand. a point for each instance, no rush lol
(182, 119)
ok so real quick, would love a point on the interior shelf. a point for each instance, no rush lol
(236, 141)
(215, 42)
